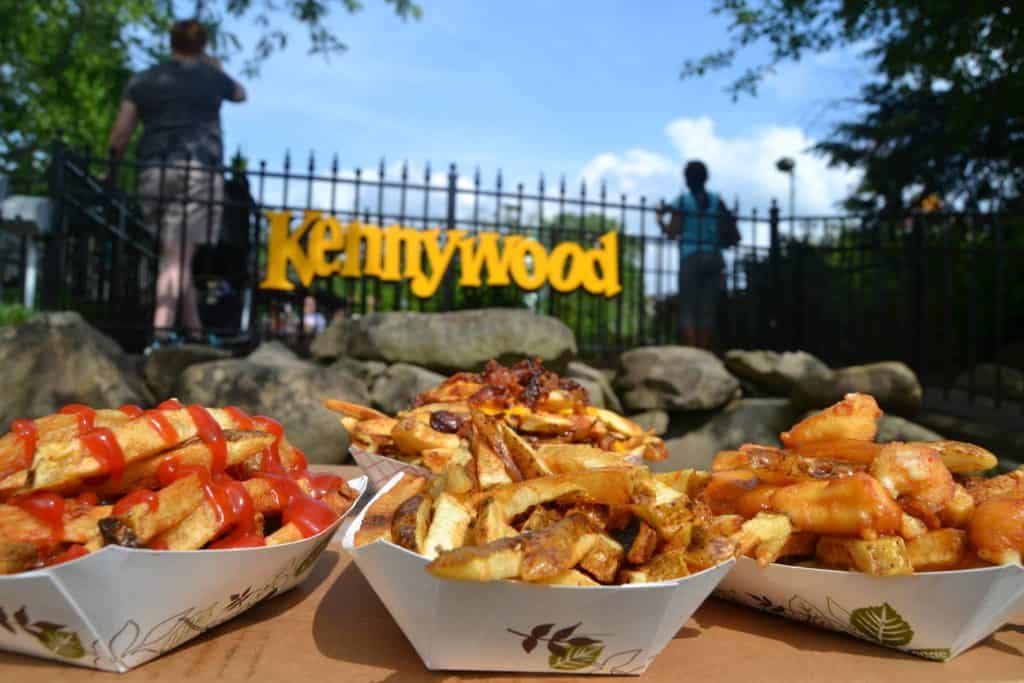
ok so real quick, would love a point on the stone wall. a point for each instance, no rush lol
(699, 403)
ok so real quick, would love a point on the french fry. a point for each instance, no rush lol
(764, 536)
(502, 559)
(377, 518)
(572, 577)
(958, 512)
(563, 458)
(540, 518)
(604, 559)
(489, 445)
(415, 436)
(688, 481)
(853, 506)
(411, 521)
(961, 457)
(557, 549)
(1009, 484)
(143, 521)
(354, 410)
(643, 543)
(886, 556)
(523, 454)
(449, 526)
(938, 550)
(855, 417)
(842, 450)
(666, 566)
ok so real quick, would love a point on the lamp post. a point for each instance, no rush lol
(787, 165)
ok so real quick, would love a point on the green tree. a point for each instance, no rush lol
(63, 63)
(941, 116)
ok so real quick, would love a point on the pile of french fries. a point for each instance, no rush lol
(175, 478)
(530, 482)
(833, 498)
(526, 401)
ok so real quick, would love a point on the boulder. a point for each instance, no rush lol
(599, 388)
(274, 353)
(985, 377)
(893, 428)
(58, 358)
(893, 384)
(365, 370)
(674, 378)
(163, 367)
(775, 373)
(449, 342)
(652, 420)
(291, 393)
(396, 388)
(747, 420)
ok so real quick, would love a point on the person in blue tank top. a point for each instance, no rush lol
(694, 218)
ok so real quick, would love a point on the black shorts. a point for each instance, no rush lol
(701, 280)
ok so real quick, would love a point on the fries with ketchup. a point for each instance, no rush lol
(173, 478)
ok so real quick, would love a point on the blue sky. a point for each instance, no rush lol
(581, 89)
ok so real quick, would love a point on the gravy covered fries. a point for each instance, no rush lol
(175, 478)
(495, 426)
(833, 498)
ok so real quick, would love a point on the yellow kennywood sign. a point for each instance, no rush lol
(359, 250)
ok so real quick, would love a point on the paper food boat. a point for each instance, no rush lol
(120, 607)
(380, 469)
(936, 615)
(516, 626)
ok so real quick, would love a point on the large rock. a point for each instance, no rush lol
(291, 393)
(652, 420)
(449, 342)
(893, 428)
(57, 358)
(674, 378)
(595, 381)
(893, 384)
(365, 370)
(985, 377)
(747, 420)
(396, 388)
(164, 366)
(775, 373)
(274, 353)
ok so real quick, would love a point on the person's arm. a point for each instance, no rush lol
(124, 126)
(233, 90)
(671, 229)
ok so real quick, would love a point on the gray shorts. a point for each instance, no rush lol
(701, 281)
(182, 201)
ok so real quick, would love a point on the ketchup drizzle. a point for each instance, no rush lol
(242, 421)
(102, 445)
(86, 416)
(210, 433)
(309, 515)
(171, 404)
(159, 422)
(130, 410)
(135, 498)
(29, 435)
(271, 460)
(46, 507)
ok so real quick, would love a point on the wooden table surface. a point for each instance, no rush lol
(333, 627)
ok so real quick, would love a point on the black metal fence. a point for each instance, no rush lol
(939, 291)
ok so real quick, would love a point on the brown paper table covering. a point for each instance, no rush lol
(333, 628)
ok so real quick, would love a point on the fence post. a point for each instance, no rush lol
(917, 286)
(450, 222)
(775, 267)
(55, 239)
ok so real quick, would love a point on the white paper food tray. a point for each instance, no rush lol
(117, 608)
(936, 615)
(516, 626)
(380, 469)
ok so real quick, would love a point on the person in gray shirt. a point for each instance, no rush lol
(180, 154)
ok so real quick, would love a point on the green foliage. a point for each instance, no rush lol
(64, 64)
(14, 314)
(941, 117)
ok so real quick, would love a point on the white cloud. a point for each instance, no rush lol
(741, 166)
